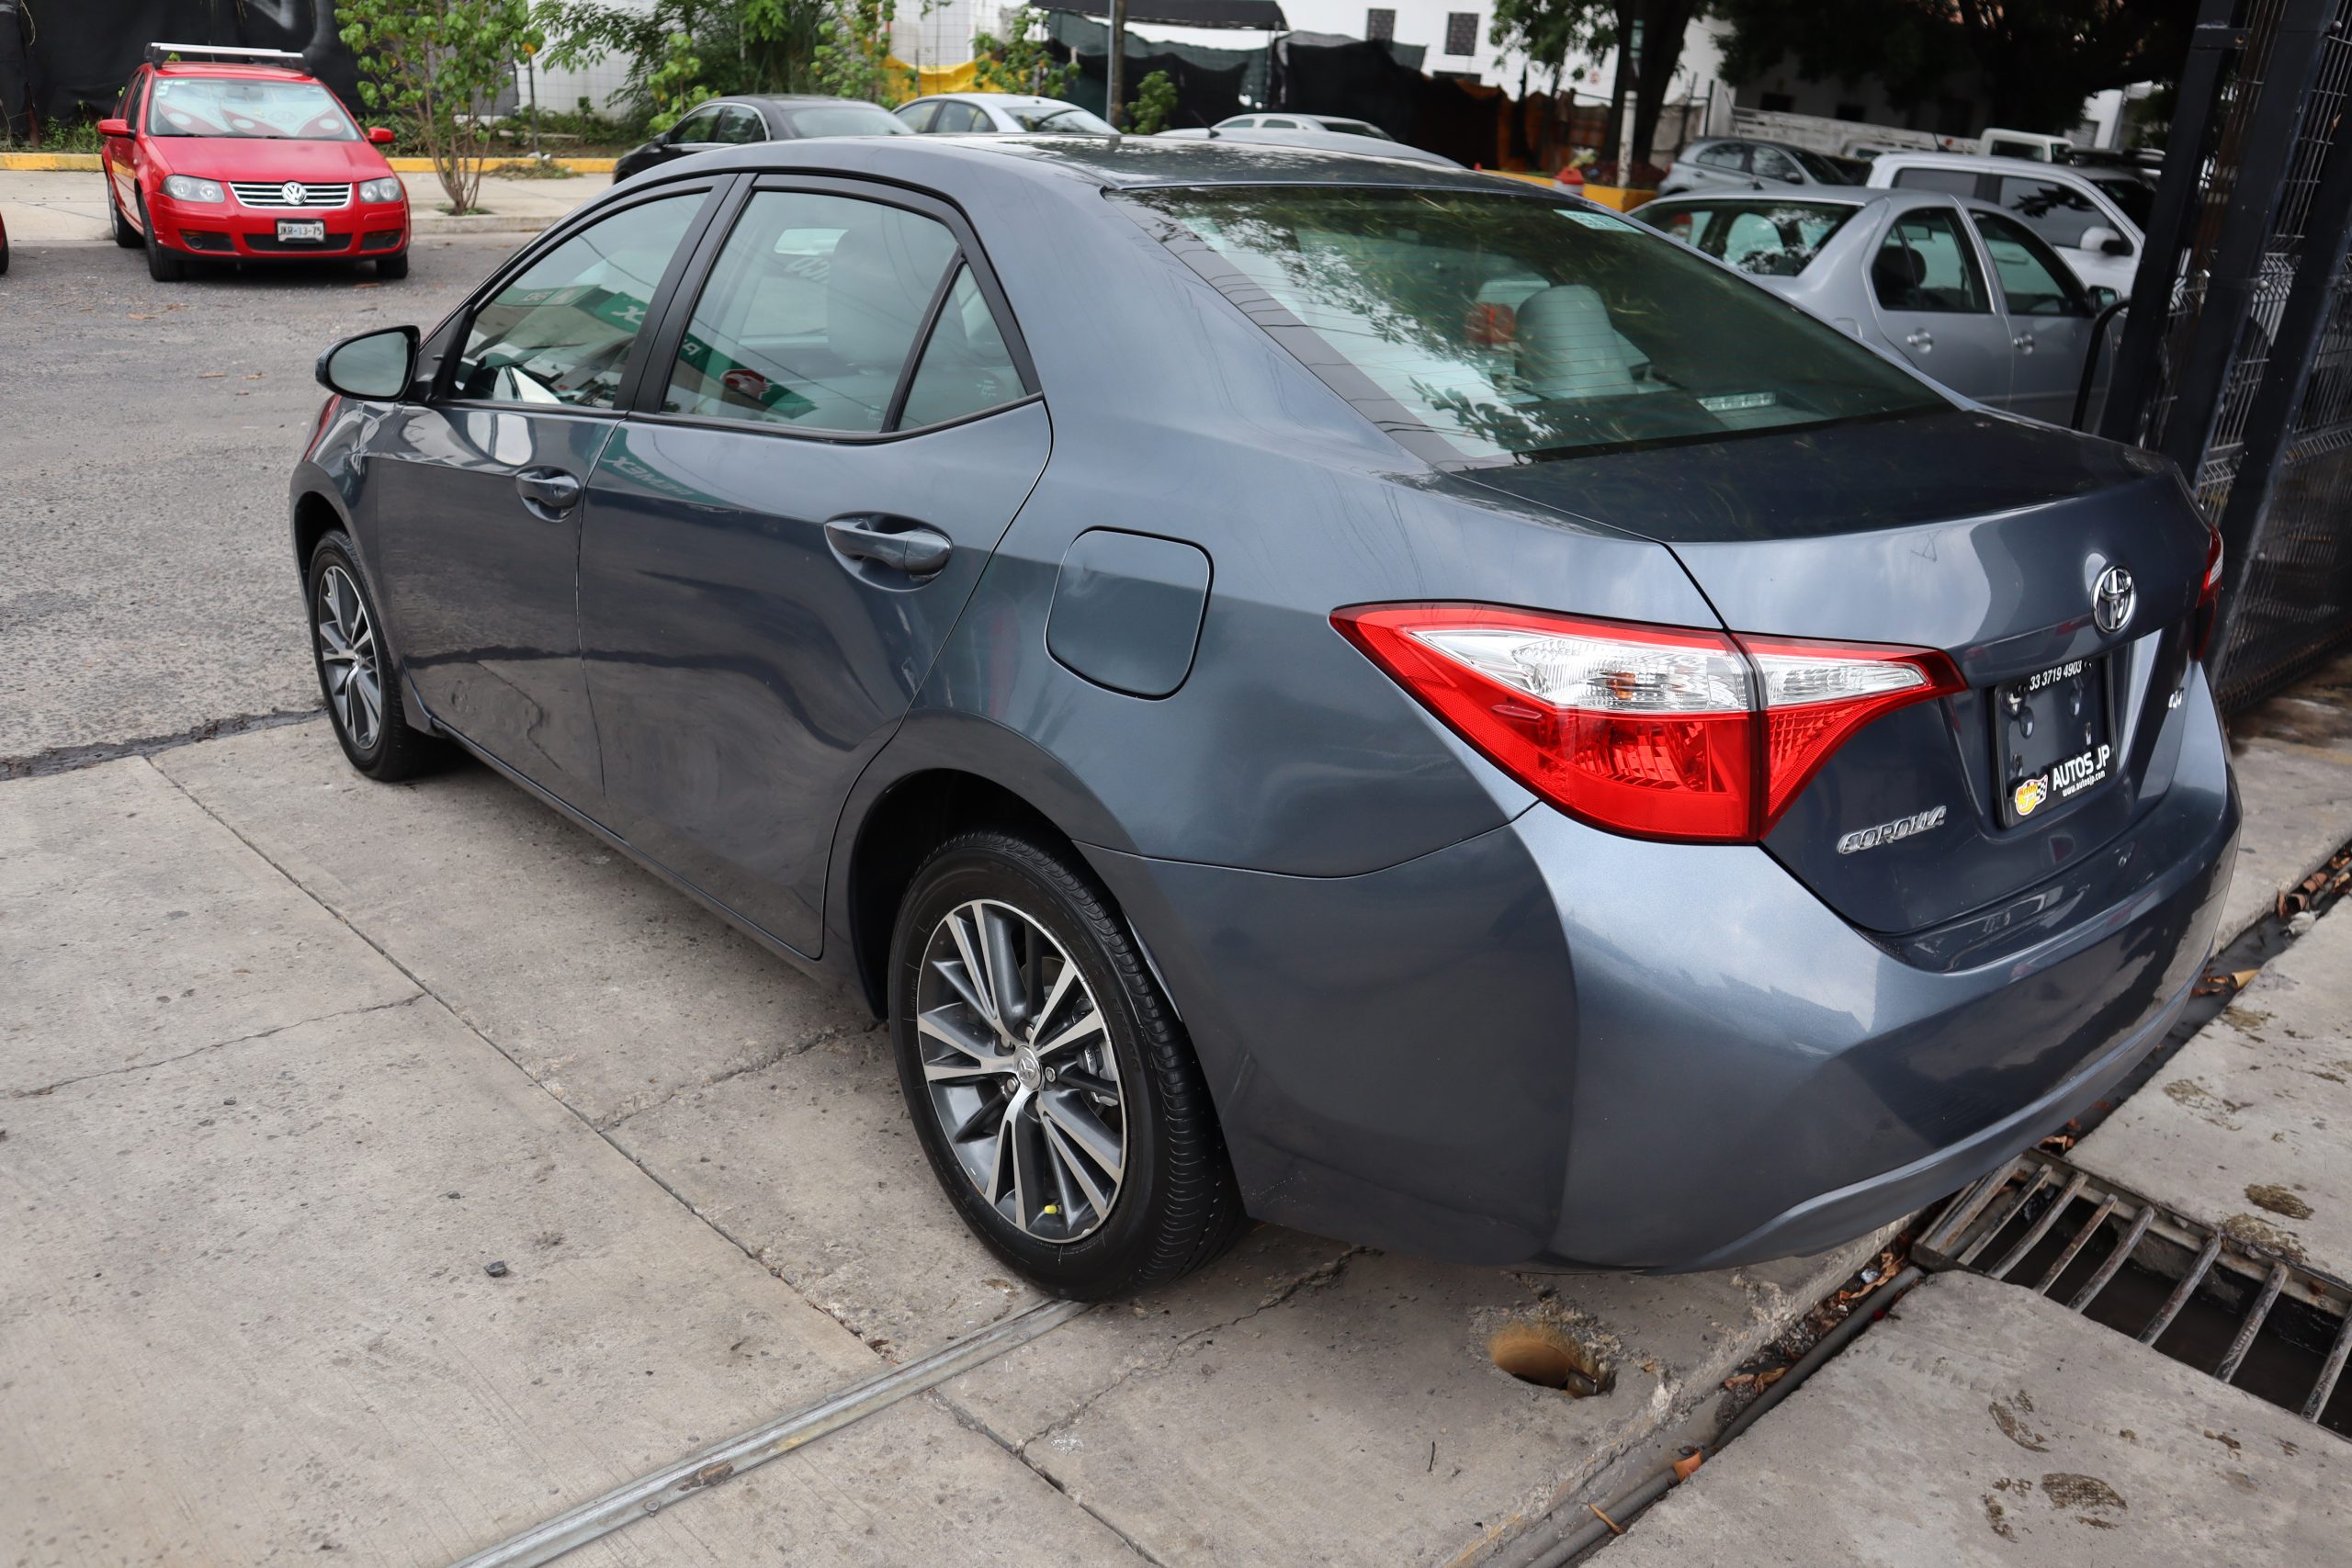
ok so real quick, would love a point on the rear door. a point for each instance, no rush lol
(1929, 293)
(477, 492)
(2049, 319)
(841, 427)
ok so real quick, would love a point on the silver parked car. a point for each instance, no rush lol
(1291, 120)
(1008, 114)
(1741, 163)
(1956, 288)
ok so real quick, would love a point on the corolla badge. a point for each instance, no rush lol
(2112, 599)
(2029, 796)
(1863, 839)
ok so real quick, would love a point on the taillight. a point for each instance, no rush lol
(2208, 597)
(1660, 732)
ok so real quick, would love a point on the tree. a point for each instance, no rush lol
(734, 46)
(853, 59)
(1020, 61)
(438, 68)
(1647, 36)
(2032, 61)
(1154, 101)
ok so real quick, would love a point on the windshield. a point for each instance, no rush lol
(1060, 116)
(2134, 196)
(847, 119)
(238, 105)
(1828, 171)
(1770, 239)
(1512, 326)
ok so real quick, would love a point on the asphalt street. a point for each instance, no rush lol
(146, 433)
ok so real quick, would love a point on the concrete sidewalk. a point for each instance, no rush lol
(291, 1057)
(61, 208)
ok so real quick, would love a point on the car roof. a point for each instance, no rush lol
(1849, 196)
(1026, 99)
(1121, 163)
(1979, 161)
(200, 68)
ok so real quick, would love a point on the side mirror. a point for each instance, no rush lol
(2102, 296)
(378, 365)
(2105, 240)
(1793, 177)
(381, 135)
(114, 128)
(2115, 245)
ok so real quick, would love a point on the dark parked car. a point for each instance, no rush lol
(743, 122)
(1360, 693)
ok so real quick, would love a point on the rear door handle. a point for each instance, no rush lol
(1924, 342)
(2022, 342)
(917, 552)
(548, 491)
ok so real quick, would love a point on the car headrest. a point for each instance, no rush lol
(1568, 347)
(1898, 270)
(876, 292)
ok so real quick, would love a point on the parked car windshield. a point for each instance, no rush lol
(1831, 170)
(245, 105)
(1770, 239)
(1512, 326)
(846, 119)
(1066, 118)
(2135, 197)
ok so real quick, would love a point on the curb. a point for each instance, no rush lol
(54, 162)
(483, 223)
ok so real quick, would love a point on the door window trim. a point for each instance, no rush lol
(642, 402)
(713, 190)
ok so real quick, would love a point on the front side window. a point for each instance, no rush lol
(2034, 282)
(740, 127)
(1771, 163)
(1925, 264)
(1510, 326)
(1066, 119)
(1723, 155)
(812, 312)
(2135, 199)
(559, 332)
(957, 119)
(2059, 213)
(1770, 239)
(917, 115)
(246, 106)
(700, 126)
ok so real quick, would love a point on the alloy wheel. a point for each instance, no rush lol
(347, 640)
(1021, 1072)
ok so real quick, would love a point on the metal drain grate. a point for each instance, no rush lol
(2246, 1313)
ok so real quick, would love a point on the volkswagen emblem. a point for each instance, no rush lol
(2112, 599)
(292, 192)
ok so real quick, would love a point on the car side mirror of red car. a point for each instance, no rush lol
(381, 135)
(114, 128)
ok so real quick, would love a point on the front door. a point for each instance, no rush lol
(1933, 307)
(779, 541)
(479, 505)
(2049, 319)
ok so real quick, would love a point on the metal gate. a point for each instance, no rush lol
(2236, 359)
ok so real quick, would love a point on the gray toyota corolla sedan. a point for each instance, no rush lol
(1329, 689)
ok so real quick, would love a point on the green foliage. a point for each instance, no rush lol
(1020, 61)
(853, 59)
(1154, 101)
(435, 70)
(1549, 31)
(675, 83)
(738, 45)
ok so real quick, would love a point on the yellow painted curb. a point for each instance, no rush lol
(51, 162)
(577, 165)
(1625, 198)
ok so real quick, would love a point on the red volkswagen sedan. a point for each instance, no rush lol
(248, 163)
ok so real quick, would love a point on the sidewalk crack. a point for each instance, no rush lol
(214, 1045)
(969, 1424)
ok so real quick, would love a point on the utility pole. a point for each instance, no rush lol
(1114, 68)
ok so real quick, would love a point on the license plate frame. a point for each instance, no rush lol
(2056, 735)
(301, 230)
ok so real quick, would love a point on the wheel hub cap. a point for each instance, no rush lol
(347, 668)
(1020, 1070)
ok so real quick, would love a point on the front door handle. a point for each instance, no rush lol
(548, 491)
(917, 552)
(1925, 342)
(2022, 342)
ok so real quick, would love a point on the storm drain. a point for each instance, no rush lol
(2224, 1303)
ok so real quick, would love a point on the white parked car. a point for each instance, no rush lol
(2095, 218)
(1287, 119)
(1008, 114)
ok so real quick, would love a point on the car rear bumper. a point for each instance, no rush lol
(1553, 1046)
(244, 233)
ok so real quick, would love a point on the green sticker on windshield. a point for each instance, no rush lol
(1594, 219)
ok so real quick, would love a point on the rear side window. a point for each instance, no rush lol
(1770, 239)
(1927, 263)
(1955, 182)
(2059, 213)
(1508, 325)
(562, 329)
(918, 115)
(813, 309)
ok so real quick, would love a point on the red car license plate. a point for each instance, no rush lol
(301, 230)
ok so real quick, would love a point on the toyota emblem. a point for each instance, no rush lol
(2112, 599)
(292, 192)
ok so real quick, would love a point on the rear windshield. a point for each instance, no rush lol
(1068, 118)
(1510, 326)
(1770, 239)
(240, 105)
(846, 120)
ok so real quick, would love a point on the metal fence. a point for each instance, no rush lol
(2236, 359)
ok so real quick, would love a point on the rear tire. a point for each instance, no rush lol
(163, 265)
(392, 269)
(1101, 1141)
(356, 676)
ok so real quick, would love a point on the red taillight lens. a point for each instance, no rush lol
(2208, 597)
(1661, 732)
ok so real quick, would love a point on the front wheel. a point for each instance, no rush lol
(163, 265)
(355, 673)
(392, 269)
(1051, 1085)
(129, 238)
